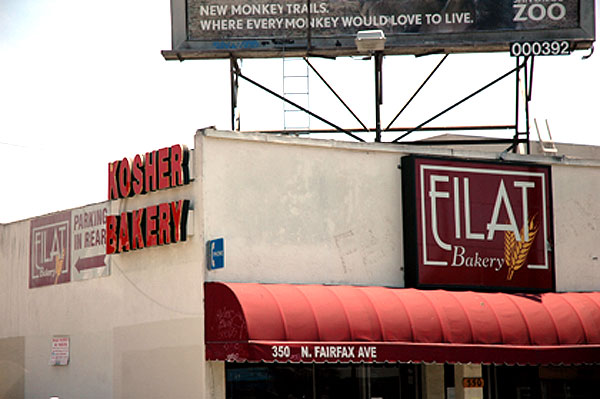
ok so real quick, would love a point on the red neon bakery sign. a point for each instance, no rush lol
(478, 225)
(161, 224)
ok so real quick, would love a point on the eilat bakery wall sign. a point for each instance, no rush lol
(477, 225)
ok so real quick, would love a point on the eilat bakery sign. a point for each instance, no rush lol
(477, 225)
(159, 224)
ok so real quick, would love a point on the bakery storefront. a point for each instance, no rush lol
(305, 341)
(481, 318)
(262, 266)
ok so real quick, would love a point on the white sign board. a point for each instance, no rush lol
(60, 351)
(88, 238)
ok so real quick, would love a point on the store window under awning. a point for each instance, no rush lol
(320, 323)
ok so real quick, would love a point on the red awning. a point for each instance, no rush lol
(318, 323)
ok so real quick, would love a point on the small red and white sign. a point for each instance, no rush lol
(60, 351)
(50, 250)
(477, 224)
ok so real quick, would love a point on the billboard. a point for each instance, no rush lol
(477, 225)
(275, 28)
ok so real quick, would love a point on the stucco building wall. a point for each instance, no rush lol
(291, 210)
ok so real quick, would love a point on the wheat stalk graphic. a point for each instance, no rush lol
(516, 252)
(59, 262)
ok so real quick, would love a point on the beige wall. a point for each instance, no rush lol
(304, 213)
(159, 360)
(12, 367)
(577, 227)
(432, 381)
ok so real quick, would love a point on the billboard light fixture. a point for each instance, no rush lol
(368, 41)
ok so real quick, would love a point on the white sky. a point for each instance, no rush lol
(83, 83)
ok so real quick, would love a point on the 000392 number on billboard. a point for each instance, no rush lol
(550, 47)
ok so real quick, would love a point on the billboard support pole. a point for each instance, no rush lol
(526, 93)
(234, 70)
(378, 94)
(528, 89)
(527, 98)
(517, 106)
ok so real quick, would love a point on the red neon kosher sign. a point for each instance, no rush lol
(478, 225)
(156, 170)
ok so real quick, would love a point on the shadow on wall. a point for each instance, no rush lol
(12, 368)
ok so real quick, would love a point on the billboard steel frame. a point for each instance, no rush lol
(524, 64)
